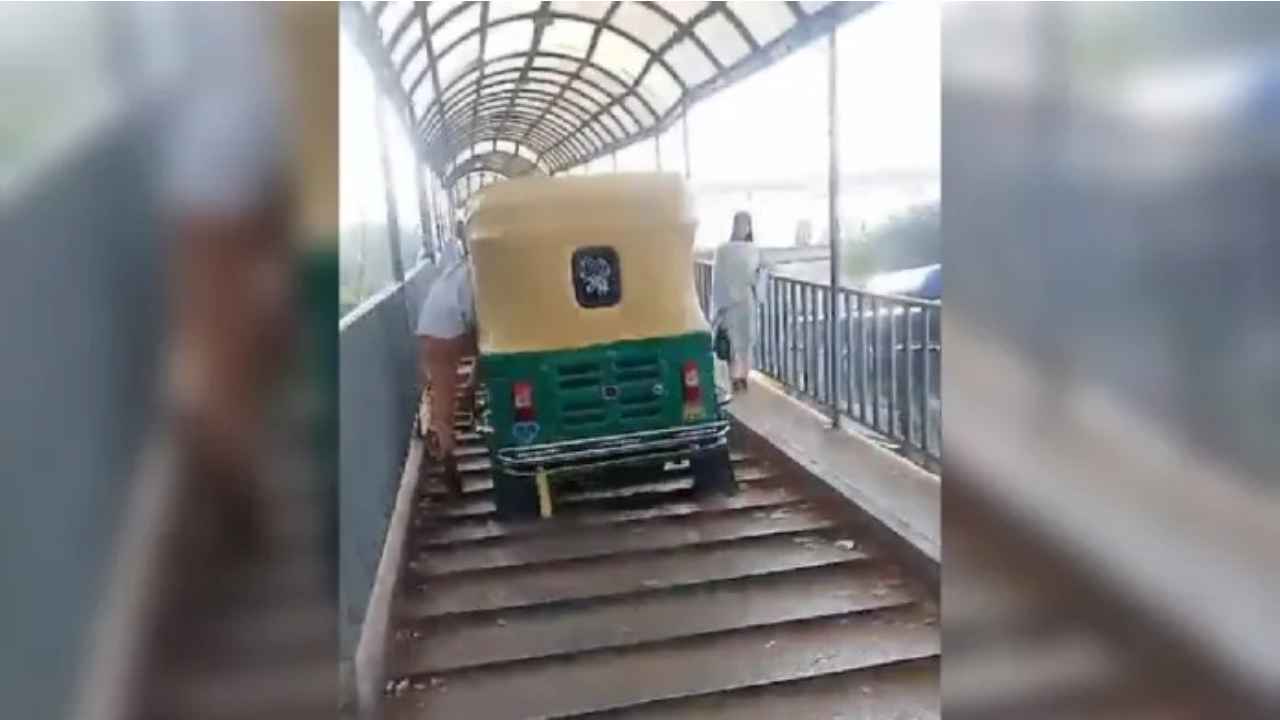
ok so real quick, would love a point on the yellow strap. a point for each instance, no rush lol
(544, 493)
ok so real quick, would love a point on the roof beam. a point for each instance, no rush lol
(741, 27)
(427, 116)
(569, 113)
(432, 61)
(561, 122)
(812, 27)
(581, 103)
(484, 35)
(365, 33)
(455, 162)
(488, 126)
(499, 78)
(398, 33)
(540, 18)
(485, 131)
(683, 30)
(492, 119)
(540, 22)
(603, 130)
(421, 43)
(591, 49)
(499, 162)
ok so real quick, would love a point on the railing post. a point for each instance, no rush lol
(425, 209)
(833, 207)
(393, 219)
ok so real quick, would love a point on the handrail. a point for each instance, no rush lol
(888, 352)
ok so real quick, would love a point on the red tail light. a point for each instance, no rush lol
(522, 400)
(692, 384)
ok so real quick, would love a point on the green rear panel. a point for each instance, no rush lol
(569, 388)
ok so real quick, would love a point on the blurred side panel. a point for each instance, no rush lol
(1111, 506)
(81, 304)
(106, 540)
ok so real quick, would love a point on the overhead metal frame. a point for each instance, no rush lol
(491, 99)
(498, 162)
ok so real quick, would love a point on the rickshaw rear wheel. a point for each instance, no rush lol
(515, 497)
(713, 472)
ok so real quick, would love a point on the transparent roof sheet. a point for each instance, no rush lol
(437, 10)
(570, 37)
(569, 82)
(507, 38)
(462, 56)
(592, 10)
(660, 88)
(454, 28)
(392, 16)
(640, 20)
(685, 10)
(726, 43)
(507, 8)
(408, 39)
(621, 55)
(764, 20)
(690, 62)
(417, 64)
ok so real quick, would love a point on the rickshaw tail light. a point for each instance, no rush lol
(522, 399)
(692, 386)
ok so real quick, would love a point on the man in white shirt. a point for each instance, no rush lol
(446, 337)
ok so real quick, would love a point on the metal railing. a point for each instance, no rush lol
(888, 355)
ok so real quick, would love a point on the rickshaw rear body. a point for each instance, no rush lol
(593, 348)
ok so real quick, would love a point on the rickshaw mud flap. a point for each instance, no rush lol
(613, 450)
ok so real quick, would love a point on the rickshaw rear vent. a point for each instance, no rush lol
(588, 368)
(642, 411)
(581, 381)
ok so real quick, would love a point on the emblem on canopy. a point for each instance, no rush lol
(597, 280)
(595, 274)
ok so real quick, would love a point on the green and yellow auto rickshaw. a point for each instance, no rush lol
(593, 351)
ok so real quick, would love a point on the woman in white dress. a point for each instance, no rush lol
(737, 284)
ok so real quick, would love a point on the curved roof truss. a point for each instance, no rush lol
(496, 161)
(572, 81)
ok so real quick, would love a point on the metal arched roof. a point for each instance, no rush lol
(497, 162)
(562, 83)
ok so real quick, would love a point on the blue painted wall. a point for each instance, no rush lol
(377, 398)
(81, 299)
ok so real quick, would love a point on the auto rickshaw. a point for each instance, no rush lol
(593, 352)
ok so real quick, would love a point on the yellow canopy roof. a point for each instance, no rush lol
(523, 235)
(505, 211)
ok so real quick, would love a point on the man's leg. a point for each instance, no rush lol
(441, 440)
(441, 359)
(440, 436)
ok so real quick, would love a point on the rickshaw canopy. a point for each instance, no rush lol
(524, 235)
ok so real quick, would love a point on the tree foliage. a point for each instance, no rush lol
(909, 239)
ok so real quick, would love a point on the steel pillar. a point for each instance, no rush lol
(833, 210)
(393, 219)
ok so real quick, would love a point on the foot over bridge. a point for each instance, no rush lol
(638, 597)
(639, 600)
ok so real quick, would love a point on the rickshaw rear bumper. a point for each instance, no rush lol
(629, 448)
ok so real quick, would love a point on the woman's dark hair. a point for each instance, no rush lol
(750, 235)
